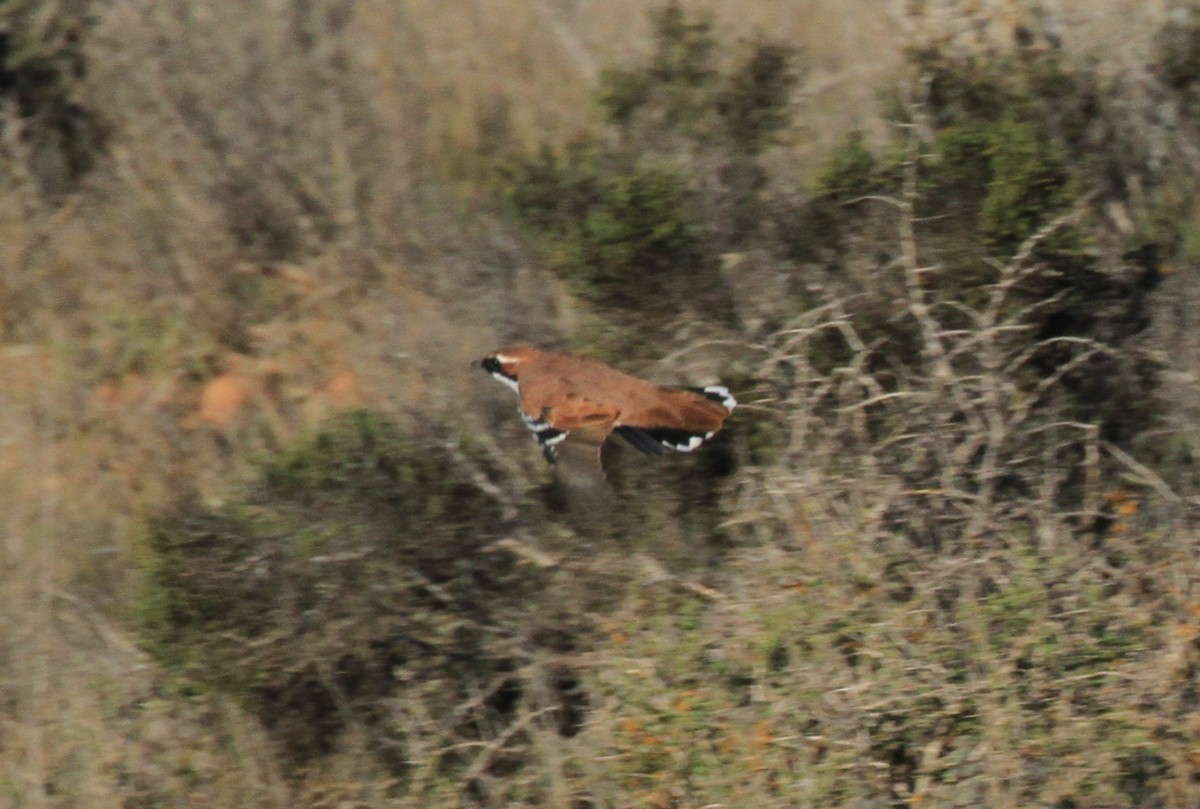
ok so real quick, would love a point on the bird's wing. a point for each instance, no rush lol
(552, 408)
(571, 428)
(676, 418)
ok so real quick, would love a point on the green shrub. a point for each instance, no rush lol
(1006, 147)
(1178, 58)
(753, 104)
(1030, 185)
(625, 239)
(636, 222)
(356, 566)
(639, 230)
(849, 172)
(816, 233)
(41, 64)
(685, 92)
(678, 80)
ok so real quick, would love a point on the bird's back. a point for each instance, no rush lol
(559, 378)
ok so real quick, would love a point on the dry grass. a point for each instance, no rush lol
(271, 240)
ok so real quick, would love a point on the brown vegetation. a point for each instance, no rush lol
(267, 541)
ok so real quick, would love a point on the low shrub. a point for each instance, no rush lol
(637, 223)
(352, 582)
(42, 63)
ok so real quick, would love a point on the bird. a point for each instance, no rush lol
(573, 403)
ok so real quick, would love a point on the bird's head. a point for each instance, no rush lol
(505, 364)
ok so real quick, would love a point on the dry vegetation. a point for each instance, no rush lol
(265, 540)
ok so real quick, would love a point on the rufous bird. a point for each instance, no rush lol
(572, 404)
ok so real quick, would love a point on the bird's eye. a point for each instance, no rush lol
(491, 365)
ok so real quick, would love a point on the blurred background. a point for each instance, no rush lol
(266, 539)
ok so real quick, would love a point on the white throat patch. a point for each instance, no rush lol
(512, 383)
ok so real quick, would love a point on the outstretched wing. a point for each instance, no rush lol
(677, 418)
(651, 440)
(552, 414)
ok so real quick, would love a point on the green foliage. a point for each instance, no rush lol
(684, 47)
(679, 78)
(1178, 58)
(687, 94)
(1005, 178)
(354, 564)
(624, 239)
(962, 89)
(622, 93)
(753, 104)
(985, 188)
(955, 179)
(637, 229)
(637, 223)
(1005, 150)
(41, 63)
(1029, 186)
(849, 172)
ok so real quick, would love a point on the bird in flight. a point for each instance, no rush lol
(572, 404)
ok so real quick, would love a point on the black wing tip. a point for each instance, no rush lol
(640, 439)
(651, 440)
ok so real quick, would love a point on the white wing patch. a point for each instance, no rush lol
(693, 442)
(721, 395)
(546, 435)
